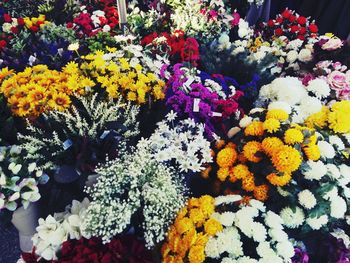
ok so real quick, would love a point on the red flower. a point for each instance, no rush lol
(14, 30)
(294, 28)
(313, 28)
(2, 44)
(34, 28)
(270, 23)
(286, 13)
(278, 32)
(279, 20)
(20, 21)
(301, 20)
(301, 37)
(302, 31)
(69, 25)
(190, 51)
(7, 18)
(292, 18)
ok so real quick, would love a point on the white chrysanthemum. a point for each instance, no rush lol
(315, 170)
(340, 234)
(292, 56)
(326, 149)
(264, 250)
(226, 218)
(278, 235)
(345, 174)
(285, 250)
(338, 207)
(267, 92)
(292, 219)
(310, 105)
(298, 115)
(259, 232)
(319, 87)
(212, 248)
(289, 89)
(336, 142)
(305, 55)
(246, 260)
(307, 199)
(317, 222)
(245, 121)
(273, 220)
(280, 105)
(294, 44)
(333, 171)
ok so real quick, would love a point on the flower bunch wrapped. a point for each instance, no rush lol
(218, 229)
(206, 99)
(264, 155)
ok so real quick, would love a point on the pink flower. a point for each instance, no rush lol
(347, 77)
(337, 80)
(345, 93)
(213, 14)
(332, 44)
(236, 18)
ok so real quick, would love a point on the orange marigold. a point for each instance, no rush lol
(223, 173)
(286, 159)
(196, 254)
(261, 192)
(248, 183)
(271, 144)
(241, 171)
(312, 152)
(277, 180)
(226, 157)
(254, 129)
(251, 149)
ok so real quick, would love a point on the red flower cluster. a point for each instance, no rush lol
(291, 25)
(178, 47)
(14, 28)
(126, 249)
(89, 24)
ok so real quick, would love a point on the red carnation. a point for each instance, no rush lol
(2, 44)
(279, 20)
(20, 21)
(301, 20)
(270, 23)
(301, 37)
(313, 28)
(7, 18)
(302, 30)
(278, 32)
(292, 18)
(286, 13)
(14, 30)
(69, 25)
(294, 28)
(34, 28)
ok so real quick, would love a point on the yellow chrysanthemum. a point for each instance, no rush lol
(212, 226)
(271, 125)
(277, 180)
(196, 254)
(318, 119)
(183, 225)
(193, 202)
(338, 118)
(207, 205)
(261, 192)
(197, 216)
(286, 159)
(293, 136)
(277, 114)
(271, 144)
(223, 173)
(312, 152)
(254, 129)
(248, 183)
(226, 157)
(241, 171)
(250, 150)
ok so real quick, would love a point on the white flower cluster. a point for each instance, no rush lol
(290, 94)
(325, 199)
(18, 180)
(136, 184)
(262, 228)
(183, 143)
(53, 231)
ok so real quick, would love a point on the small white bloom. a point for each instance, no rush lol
(245, 121)
(73, 46)
(292, 56)
(305, 55)
(326, 149)
(317, 222)
(307, 199)
(319, 87)
(292, 219)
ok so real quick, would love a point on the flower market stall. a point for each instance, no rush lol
(173, 131)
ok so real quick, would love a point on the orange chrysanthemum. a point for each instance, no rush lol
(251, 149)
(286, 159)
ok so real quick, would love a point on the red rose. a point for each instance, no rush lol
(270, 23)
(313, 28)
(294, 28)
(14, 30)
(279, 20)
(301, 37)
(286, 13)
(301, 20)
(69, 25)
(302, 30)
(279, 32)
(20, 21)
(292, 18)
(2, 44)
(7, 18)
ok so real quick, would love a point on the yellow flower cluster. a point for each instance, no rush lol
(39, 21)
(336, 117)
(37, 89)
(123, 78)
(271, 142)
(190, 233)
